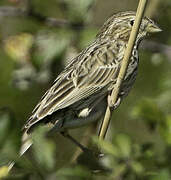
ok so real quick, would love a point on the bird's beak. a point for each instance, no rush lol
(153, 28)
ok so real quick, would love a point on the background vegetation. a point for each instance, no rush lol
(37, 39)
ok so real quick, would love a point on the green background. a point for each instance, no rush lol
(33, 51)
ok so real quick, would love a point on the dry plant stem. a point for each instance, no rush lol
(127, 55)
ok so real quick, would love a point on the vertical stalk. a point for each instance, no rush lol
(124, 65)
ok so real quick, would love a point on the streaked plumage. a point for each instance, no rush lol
(79, 94)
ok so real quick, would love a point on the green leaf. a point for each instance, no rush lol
(3, 172)
(106, 146)
(4, 126)
(165, 129)
(77, 10)
(148, 109)
(137, 167)
(163, 174)
(44, 149)
(75, 171)
(123, 142)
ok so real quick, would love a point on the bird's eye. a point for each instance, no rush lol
(131, 22)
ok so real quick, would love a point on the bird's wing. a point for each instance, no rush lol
(84, 77)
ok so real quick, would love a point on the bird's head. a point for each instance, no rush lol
(120, 25)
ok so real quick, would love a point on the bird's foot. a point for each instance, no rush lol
(67, 135)
(113, 105)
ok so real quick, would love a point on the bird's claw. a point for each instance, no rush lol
(113, 105)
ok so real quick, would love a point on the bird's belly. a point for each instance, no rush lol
(86, 115)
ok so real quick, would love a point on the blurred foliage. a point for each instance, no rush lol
(37, 39)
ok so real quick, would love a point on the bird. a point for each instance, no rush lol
(81, 92)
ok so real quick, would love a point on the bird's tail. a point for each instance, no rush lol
(26, 143)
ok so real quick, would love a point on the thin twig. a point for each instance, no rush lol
(8, 11)
(85, 140)
(127, 55)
